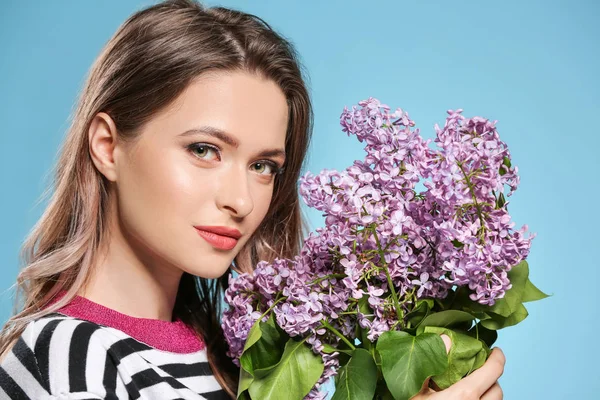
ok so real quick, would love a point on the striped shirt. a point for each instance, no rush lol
(88, 351)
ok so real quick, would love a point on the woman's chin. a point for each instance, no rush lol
(213, 273)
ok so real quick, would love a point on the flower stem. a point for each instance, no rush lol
(389, 278)
(338, 334)
(477, 206)
(272, 306)
(322, 278)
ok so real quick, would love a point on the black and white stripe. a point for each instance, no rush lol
(62, 357)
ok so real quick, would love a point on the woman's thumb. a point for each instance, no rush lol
(429, 386)
(447, 342)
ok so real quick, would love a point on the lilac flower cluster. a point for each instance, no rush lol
(242, 313)
(385, 245)
(464, 209)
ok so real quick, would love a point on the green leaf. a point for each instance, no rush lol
(501, 201)
(518, 276)
(480, 315)
(358, 379)
(267, 350)
(245, 380)
(382, 392)
(262, 350)
(292, 378)
(446, 302)
(461, 358)
(364, 339)
(447, 319)
(532, 293)
(421, 310)
(244, 396)
(254, 335)
(499, 321)
(480, 358)
(458, 244)
(505, 161)
(480, 332)
(407, 361)
(327, 348)
(246, 370)
(363, 307)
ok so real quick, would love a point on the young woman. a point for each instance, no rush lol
(181, 164)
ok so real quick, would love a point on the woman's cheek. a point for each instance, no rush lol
(262, 203)
(154, 193)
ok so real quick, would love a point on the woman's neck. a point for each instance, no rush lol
(173, 336)
(121, 280)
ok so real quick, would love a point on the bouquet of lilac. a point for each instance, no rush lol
(370, 293)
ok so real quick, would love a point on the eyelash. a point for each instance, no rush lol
(276, 169)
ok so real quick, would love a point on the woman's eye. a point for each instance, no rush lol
(264, 168)
(204, 151)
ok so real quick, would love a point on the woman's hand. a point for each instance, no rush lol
(482, 384)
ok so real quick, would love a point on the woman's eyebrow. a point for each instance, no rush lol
(214, 132)
(272, 153)
(230, 140)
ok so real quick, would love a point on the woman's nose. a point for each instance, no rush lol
(234, 193)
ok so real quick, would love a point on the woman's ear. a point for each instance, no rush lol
(102, 137)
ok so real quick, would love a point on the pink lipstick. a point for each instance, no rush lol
(221, 237)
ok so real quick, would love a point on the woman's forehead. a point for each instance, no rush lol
(237, 106)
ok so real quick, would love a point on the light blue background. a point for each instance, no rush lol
(531, 65)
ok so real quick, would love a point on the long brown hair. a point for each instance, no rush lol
(148, 62)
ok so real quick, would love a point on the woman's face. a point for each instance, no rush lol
(208, 161)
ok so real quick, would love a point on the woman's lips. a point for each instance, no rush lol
(219, 241)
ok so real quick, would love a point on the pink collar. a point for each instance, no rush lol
(176, 336)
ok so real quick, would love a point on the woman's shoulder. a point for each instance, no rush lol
(56, 335)
(59, 354)
(56, 354)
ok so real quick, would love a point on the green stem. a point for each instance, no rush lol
(389, 278)
(472, 190)
(327, 277)
(338, 334)
(272, 306)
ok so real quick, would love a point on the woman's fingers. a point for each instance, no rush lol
(482, 379)
(493, 393)
(429, 387)
(447, 342)
(482, 384)
(424, 393)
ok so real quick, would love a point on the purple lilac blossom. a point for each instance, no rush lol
(379, 229)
